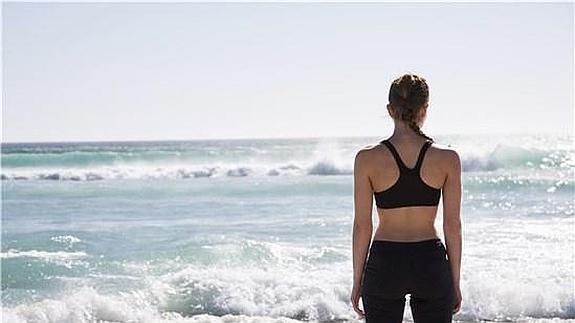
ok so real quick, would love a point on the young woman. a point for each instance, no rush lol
(406, 174)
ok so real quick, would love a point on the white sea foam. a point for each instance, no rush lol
(48, 255)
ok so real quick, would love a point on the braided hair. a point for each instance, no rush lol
(407, 95)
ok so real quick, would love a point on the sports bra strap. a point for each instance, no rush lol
(422, 152)
(398, 158)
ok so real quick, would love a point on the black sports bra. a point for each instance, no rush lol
(409, 189)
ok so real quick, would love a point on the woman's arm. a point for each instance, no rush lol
(452, 219)
(362, 223)
(451, 214)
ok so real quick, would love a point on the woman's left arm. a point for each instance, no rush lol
(362, 223)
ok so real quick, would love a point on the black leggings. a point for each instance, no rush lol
(419, 268)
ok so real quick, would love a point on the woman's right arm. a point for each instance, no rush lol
(452, 220)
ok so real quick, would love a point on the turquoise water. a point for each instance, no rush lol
(260, 230)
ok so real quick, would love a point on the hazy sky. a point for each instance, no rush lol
(151, 71)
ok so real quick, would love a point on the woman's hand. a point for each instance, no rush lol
(355, 295)
(458, 298)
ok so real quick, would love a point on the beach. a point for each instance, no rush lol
(260, 230)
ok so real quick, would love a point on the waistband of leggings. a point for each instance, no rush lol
(420, 243)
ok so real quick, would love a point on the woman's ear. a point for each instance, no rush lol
(423, 113)
(389, 110)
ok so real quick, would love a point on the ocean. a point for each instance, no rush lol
(259, 230)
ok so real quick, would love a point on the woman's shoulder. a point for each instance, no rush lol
(448, 153)
(365, 153)
(367, 149)
(447, 149)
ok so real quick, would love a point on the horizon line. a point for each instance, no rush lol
(482, 134)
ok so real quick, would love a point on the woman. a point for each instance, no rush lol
(406, 174)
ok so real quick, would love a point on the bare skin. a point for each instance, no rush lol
(375, 170)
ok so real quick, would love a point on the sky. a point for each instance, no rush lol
(185, 71)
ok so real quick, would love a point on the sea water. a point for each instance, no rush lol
(260, 230)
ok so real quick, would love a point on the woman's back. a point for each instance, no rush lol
(407, 179)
